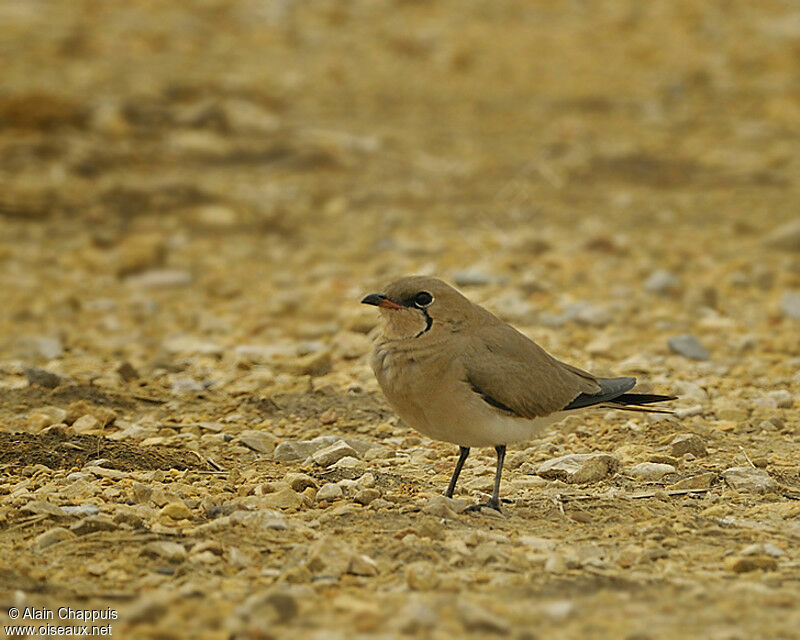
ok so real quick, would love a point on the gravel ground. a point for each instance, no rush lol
(195, 196)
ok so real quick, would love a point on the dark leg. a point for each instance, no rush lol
(494, 501)
(463, 452)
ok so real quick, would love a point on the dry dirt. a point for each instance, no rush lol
(195, 196)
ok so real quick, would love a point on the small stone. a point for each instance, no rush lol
(333, 453)
(86, 424)
(170, 551)
(257, 440)
(579, 468)
(365, 496)
(630, 556)
(40, 347)
(688, 412)
(763, 549)
(745, 564)
(300, 481)
(786, 237)
(81, 510)
(731, 413)
(663, 282)
(80, 408)
(328, 416)
(749, 480)
(160, 279)
(350, 463)
(472, 278)
(476, 619)
(283, 499)
(688, 443)
(651, 470)
(558, 609)
(362, 565)
(790, 305)
(328, 557)
(780, 399)
(43, 378)
(147, 610)
(329, 492)
(444, 507)
(127, 372)
(51, 537)
(689, 347)
(314, 364)
(700, 481)
(277, 606)
(422, 576)
(417, 618)
(555, 564)
(92, 524)
(176, 511)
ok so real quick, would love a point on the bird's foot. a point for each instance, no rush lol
(489, 504)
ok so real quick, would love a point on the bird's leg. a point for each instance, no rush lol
(494, 501)
(463, 452)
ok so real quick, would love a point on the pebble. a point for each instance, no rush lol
(688, 412)
(43, 377)
(689, 347)
(763, 549)
(579, 467)
(92, 524)
(160, 279)
(790, 305)
(362, 565)
(416, 617)
(651, 470)
(749, 480)
(41, 507)
(81, 510)
(259, 441)
(333, 453)
(476, 619)
(86, 424)
(779, 399)
(745, 564)
(329, 492)
(300, 481)
(176, 511)
(700, 481)
(422, 576)
(688, 443)
(284, 498)
(51, 537)
(173, 552)
(444, 507)
(366, 496)
(662, 282)
(473, 278)
(44, 347)
(786, 237)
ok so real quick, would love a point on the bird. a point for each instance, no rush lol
(457, 373)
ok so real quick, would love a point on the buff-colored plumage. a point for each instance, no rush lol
(457, 373)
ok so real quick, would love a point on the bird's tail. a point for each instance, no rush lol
(638, 402)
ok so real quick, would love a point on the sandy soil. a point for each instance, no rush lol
(196, 195)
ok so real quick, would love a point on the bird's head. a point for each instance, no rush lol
(419, 306)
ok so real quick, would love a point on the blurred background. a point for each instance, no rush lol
(262, 160)
(194, 196)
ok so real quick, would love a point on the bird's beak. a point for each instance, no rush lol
(380, 300)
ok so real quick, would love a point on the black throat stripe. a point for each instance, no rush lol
(428, 323)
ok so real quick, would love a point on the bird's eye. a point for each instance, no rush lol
(423, 299)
